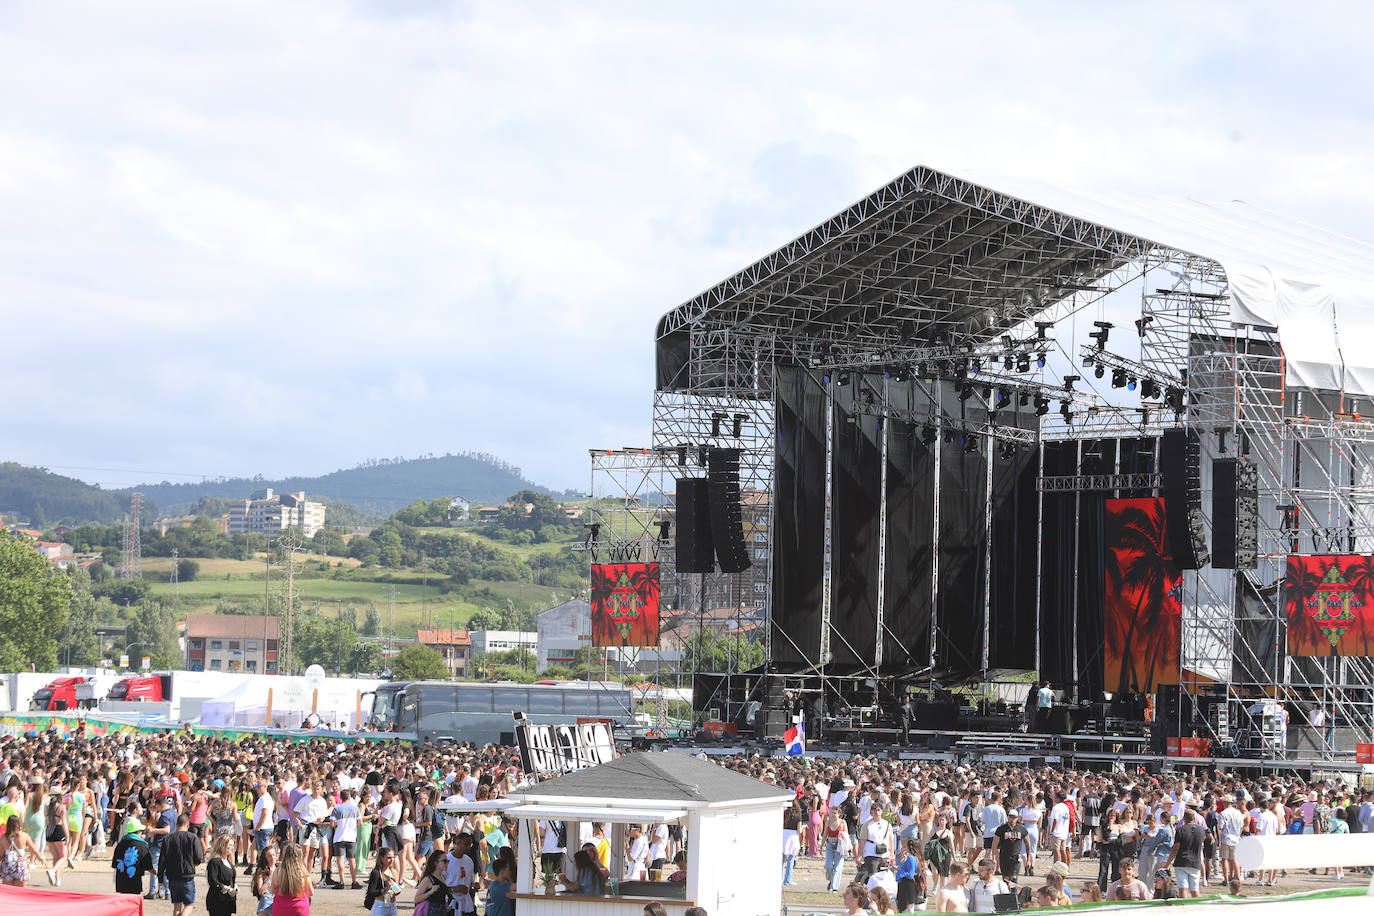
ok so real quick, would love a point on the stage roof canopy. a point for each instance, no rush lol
(932, 252)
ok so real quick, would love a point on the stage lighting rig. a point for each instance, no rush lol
(1040, 360)
(1129, 374)
(1100, 335)
(1041, 327)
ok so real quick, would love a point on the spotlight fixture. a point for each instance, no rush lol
(964, 390)
(1007, 342)
(1040, 360)
(1008, 361)
(1007, 450)
(1142, 323)
(929, 434)
(902, 373)
(1003, 398)
(1042, 405)
(1070, 379)
(664, 526)
(827, 378)
(716, 419)
(1130, 384)
(593, 532)
(682, 456)
(976, 366)
(970, 443)
(987, 392)
(1148, 389)
(1022, 399)
(923, 370)
(1118, 378)
(1100, 335)
(1041, 327)
(1023, 362)
(1099, 371)
(737, 424)
(844, 378)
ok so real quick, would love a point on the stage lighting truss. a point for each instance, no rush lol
(946, 359)
(1129, 374)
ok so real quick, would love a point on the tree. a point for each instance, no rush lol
(372, 621)
(154, 625)
(366, 658)
(485, 618)
(77, 642)
(187, 570)
(710, 651)
(320, 641)
(34, 602)
(420, 663)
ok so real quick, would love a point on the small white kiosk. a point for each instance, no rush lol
(731, 824)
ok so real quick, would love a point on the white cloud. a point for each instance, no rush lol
(432, 226)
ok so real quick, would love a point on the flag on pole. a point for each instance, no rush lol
(795, 738)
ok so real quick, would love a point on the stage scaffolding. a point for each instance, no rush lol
(934, 270)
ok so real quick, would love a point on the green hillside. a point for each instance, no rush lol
(379, 487)
(46, 498)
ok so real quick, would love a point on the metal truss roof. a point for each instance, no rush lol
(925, 254)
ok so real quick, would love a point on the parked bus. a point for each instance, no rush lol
(481, 712)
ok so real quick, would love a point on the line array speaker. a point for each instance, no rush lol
(1247, 514)
(695, 549)
(1224, 513)
(727, 516)
(1180, 468)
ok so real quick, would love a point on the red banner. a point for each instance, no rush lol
(1143, 613)
(625, 604)
(1329, 601)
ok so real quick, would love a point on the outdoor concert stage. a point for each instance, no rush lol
(960, 430)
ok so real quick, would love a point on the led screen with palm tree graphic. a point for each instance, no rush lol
(625, 604)
(1144, 614)
(1329, 601)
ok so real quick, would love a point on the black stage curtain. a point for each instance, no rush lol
(799, 534)
(959, 615)
(1256, 627)
(1063, 540)
(1012, 605)
(906, 589)
(856, 493)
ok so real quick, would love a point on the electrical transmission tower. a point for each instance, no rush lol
(131, 558)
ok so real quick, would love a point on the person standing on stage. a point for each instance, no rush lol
(1044, 703)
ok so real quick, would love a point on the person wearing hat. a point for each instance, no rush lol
(130, 859)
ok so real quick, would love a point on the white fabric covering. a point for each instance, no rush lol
(1315, 286)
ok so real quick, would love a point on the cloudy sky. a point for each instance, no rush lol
(265, 237)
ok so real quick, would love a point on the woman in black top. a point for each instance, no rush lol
(222, 898)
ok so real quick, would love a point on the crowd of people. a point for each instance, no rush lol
(299, 818)
(894, 836)
(953, 838)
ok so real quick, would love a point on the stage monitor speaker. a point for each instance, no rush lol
(1057, 721)
(774, 723)
(1036, 763)
(1224, 513)
(727, 517)
(1180, 471)
(939, 743)
(695, 548)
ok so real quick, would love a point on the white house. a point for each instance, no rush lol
(501, 640)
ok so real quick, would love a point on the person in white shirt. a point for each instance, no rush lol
(636, 854)
(985, 888)
(469, 785)
(550, 849)
(1060, 819)
(1270, 824)
(1230, 825)
(263, 821)
(460, 874)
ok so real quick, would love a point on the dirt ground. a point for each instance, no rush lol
(96, 876)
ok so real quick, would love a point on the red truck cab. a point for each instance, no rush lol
(64, 693)
(145, 688)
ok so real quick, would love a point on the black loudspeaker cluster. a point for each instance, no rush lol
(710, 519)
(727, 515)
(1180, 467)
(1235, 513)
(695, 549)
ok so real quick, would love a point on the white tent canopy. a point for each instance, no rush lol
(1315, 286)
(293, 699)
